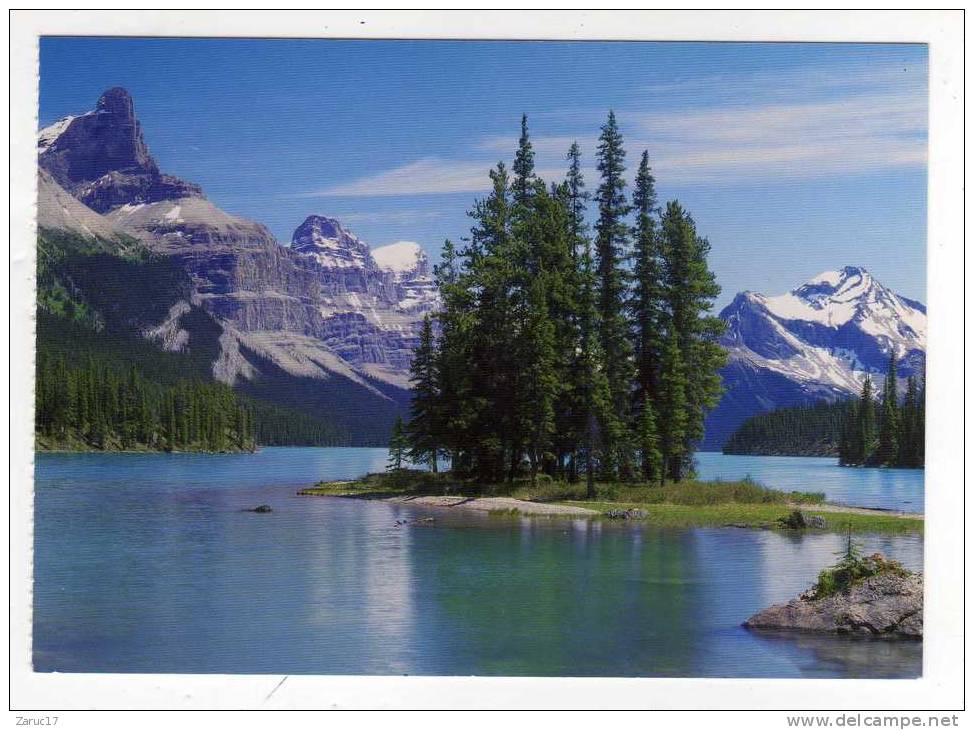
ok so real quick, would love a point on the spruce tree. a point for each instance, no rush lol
(690, 291)
(649, 443)
(886, 449)
(672, 411)
(921, 420)
(648, 293)
(523, 167)
(611, 249)
(591, 384)
(847, 440)
(540, 379)
(576, 198)
(455, 406)
(865, 441)
(906, 441)
(424, 428)
(494, 370)
(398, 447)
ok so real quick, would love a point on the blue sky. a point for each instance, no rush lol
(792, 158)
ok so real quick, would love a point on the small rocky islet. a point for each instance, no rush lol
(887, 602)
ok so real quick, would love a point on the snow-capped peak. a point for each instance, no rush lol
(832, 298)
(330, 244)
(400, 257)
(828, 330)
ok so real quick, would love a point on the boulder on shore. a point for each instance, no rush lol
(798, 520)
(886, 605)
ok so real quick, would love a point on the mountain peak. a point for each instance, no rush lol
(101, 158)
(117, 101)
(846, 284)
(330, 243)
(835, 278)
(322, 226)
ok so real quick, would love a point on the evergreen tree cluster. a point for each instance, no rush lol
(564, 349)
(891, 434)
(807, 430)
(94, 404)
(275, 425)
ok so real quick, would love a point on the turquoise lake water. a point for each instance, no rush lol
(147, 563)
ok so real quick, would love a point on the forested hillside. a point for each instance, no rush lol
(812, 430)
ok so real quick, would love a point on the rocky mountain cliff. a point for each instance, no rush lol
(323, 308)
(814, 343)
(101, 158)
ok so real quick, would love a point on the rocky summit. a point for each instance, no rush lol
(101, 158)
(816, 342)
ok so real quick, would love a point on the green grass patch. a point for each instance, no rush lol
(413, 481)
(405, 482)
(509, 512)
(854, 568)
(690, 493)
(755, 516)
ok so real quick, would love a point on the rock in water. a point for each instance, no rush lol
(626, 514)
(261, 509)
(885, 605)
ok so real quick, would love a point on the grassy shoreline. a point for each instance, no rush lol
(743, 504)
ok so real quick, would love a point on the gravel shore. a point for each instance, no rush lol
(491, 504)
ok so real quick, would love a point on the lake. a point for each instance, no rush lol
(147, 563)
(894, 489)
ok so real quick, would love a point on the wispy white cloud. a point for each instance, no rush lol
(429, 175)
(392, 216)
(786, 141)
(768, 126)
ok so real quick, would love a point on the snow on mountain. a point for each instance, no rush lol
(189, 224)
(411, 270)
(400, 257)
(49, 135)
(813, 343)
(834, 298)
(333, 247)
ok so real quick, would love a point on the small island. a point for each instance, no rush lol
(861, 596)
(741, 504)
